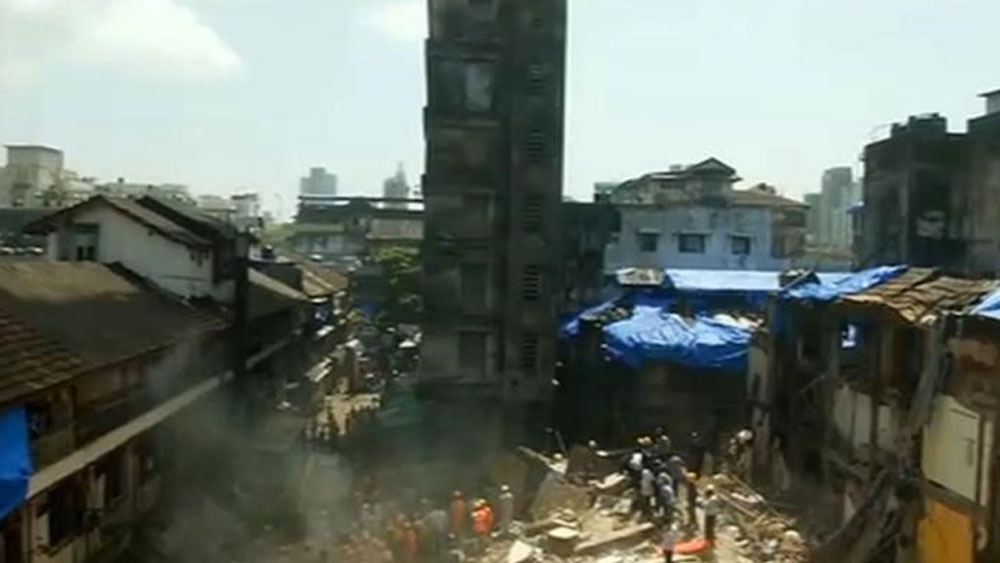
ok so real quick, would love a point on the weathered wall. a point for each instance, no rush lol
(717, 224)
(171, 265)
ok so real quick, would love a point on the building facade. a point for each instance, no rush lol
(830, 224)
(492, 191)
(343, 232)
(691, 217)
(33, 176)
(396, 187)
(318, 182)
(931, 196)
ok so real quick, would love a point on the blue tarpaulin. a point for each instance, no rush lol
(723, 280)
(15, 459)
(655, 335)
(571, 328)
(990, 307)
(826, 291)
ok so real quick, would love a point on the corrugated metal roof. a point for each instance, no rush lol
(920, 293)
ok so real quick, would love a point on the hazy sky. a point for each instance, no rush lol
(229, 94)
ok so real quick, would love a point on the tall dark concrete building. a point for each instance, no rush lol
(492, 190)
(932, 197)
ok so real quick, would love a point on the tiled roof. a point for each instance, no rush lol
(329, 278)
(97, 313)
(60, 319)
(921, 293)
(31, 361)
(158, 222)
(268, 295)
(758, 198)
(131, 209)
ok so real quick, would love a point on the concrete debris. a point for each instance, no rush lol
(627, 537)
(521, 552)
(556, 494)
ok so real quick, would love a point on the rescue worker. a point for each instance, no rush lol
(696, 452)
(482, 522)
(667, 500)
(691, 484)
(662, 447)
(411, 543)
(459, 514)
(634, 464)
(712, 508)
(676, 470)
(647, 488)
(670, 537)
(435, 523)
(505, 508)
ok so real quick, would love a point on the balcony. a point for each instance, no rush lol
(52, 446)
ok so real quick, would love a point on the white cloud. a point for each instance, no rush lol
(163, 38)
(400, 20)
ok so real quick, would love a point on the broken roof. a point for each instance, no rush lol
(68, 316)
(922, 293)
(130, 208)
(268, 295)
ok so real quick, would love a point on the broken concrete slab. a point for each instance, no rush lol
(613, 484)
(562, 541)
(625, 537)
(521, 552)
(555, 494)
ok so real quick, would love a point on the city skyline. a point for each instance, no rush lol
(203, 92)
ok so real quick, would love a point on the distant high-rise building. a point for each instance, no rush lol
(33, 177)
(396, 187)
(318, 182)
(492, 196)
(829, 218)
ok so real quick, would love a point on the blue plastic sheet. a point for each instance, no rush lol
(15, 459)
(571, 328)
(655, 335)
(826, 291)
(688, 280)
(990, 307)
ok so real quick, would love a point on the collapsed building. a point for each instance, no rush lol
(873, 398)
(671, 350)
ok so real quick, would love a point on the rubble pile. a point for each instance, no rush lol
(583, 512)
(761, 532)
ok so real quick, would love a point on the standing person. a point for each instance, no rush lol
(676, 470)
(691, 485)
(667, 500)
(663, 445)
(713, 507)
(696, 452)
(647, 488)
(505, 508)
(482, 523)
(634, 464)
(670, 536)
(411, 543)
(436, 523)
(459, 514)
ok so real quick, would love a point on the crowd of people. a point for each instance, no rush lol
(388, 531)
(658, 472)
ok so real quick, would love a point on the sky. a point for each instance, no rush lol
(231, 95)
